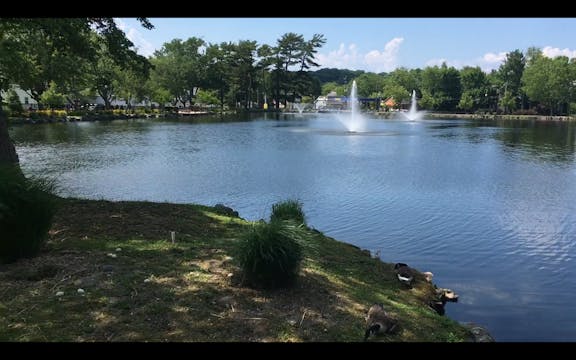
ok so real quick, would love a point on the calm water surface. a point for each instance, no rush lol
(489, 207)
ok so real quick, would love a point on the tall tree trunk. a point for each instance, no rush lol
(8, 153)
(277, 90)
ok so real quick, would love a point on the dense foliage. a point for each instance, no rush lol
(26, 210)
(89, 56)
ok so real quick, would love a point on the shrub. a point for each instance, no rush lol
(288, 210)
(268, 256)
(26, 210)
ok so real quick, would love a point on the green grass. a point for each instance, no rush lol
(190, 290)
(288, 210)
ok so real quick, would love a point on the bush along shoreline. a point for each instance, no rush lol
(144, 271)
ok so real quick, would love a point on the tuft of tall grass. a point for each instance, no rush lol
(288, 210)
(269, 256)
(27, 206)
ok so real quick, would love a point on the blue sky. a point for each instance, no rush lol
(377, 44)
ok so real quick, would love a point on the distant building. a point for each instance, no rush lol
(331, 102)
(389, 102)
(320, 102)
(123, 103)
(28, 103)
(25, 99)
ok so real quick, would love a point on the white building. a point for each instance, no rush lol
(29, 103)
(331, 102)
(25, 99)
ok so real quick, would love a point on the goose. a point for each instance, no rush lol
(438, 306)
(405, 273)
(447, 295)
(378, 321)
(442, 296)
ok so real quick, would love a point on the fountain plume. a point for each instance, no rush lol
(413, 114)
(354, 121)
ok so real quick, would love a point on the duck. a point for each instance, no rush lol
(404, 273)
(378, 321)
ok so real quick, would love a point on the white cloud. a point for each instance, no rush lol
(487, 62)
(551, 52)
(491, 58)
(344, 57)
(386, 60)
(437, 62)
(348, 57)
(142, 46)
(491, 61)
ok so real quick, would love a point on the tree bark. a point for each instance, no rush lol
(7, 150)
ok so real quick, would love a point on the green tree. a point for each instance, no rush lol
(207, 97)
(396, 91)
(329, 87)
(105, 80)
(45, 60)
(370, 84)
(156, 92)
(510, 79)
(475, 86)
(104, 73)
(467, 102)
(549, 81)
(408, 79)
(52, 98)
(243, 71)
(309, 50)
(507, 101)
(218, 69)
(441, 89)
(291, 50)
(265, 66)
(179, 69)
(287, 53)
(131, 86)
(339, 76)
(68, 37)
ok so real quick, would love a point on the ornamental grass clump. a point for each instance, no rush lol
(288, 210)
(27, 206)
(269, 256)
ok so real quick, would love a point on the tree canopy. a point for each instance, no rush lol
(36, 51)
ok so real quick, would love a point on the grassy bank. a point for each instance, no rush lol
(136, 285)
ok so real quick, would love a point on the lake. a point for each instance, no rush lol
(489, 207)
